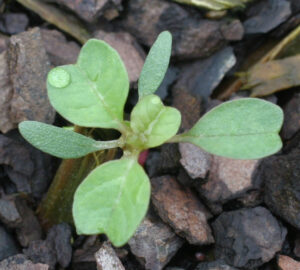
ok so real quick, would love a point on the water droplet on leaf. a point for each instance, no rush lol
(59, 78)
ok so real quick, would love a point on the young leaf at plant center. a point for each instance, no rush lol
(113, 199)
(152, 122)
(242, 129)
(58, 142)
(156, 65)
(91, 93)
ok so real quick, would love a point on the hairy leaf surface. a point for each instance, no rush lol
(156, 65)
(153, 123)
(243, 129)
(113, 199)
(91, 93)
(58, 142)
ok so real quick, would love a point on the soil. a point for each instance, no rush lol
(206, 212)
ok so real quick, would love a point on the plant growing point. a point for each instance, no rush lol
(114, 197)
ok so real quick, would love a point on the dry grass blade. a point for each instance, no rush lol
(63, 21)
(214, 4)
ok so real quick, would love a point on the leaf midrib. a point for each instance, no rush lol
(123, 181)
(101, 98)
(229, 135)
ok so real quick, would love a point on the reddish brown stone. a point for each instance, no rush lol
(229, 179)
(188, 104)
(181, 209)
(195, 161)
(26, 97)
(130, 51)
(193, 36)
(287, 263)
(154, 243)
(59, 50)
(233, 31)
(90, 10)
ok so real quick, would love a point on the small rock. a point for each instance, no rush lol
(216, 265)
(287, 263)
(195, 161)
(167, 161)
(130, 51)
(193, 37)
(56, 248)
(13, 23)
(84, 258)
(15, 214)
(29, 229)
(247, 238)
(203, 76)
(28, 66)
(28, 168)
(90, 10)
(3, 45)
(41, 252)
(20, 262)
(182, 210)
(297, 247)
(295, 6)
(189, 105)
(107, 259)
(9, 215)
(229, 179)
(291, 123)
(59, 238)
(168, 80)
(233, 30)
(281, 176)
(154, 243)
(251, 199)
(59, 50)
(8, 246)
(267, 15)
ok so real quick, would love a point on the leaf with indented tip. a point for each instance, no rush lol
(153, 123)
(58, 142)
(242, 129)
(156, 65)
(113, 199)
(91, 93)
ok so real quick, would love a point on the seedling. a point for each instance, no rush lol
(114, 197)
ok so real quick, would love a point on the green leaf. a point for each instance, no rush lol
(153, 123)
(91, 93)
(113, 199)
(156, 64)
(56, 141)
(242, 129)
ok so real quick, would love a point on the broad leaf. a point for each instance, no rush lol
(156, 65)
(56, 141)
(91, 93)
(113, 199)
(153, 123)
(243, 129)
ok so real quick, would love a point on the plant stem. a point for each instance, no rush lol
(57, 205)
(176, 139)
